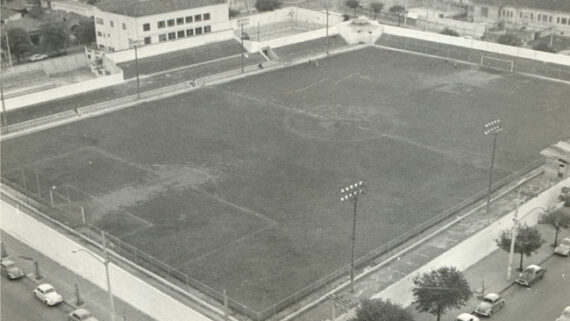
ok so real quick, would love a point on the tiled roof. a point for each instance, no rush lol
(552, 5)
(139, 8)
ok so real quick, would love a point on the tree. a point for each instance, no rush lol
(233, 12)
(510, 40)
(528, 241)
(565, 196)
(558, 219)
(85, 31)
(380, 310)
(543, 46)
(54, 36)
(267, 5)
(449, 32)
(353, 4)
(19, 42)
(439, 290)
(376, 8)
(397, 10)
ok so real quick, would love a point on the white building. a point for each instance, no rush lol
(118, 23)
(77, 7)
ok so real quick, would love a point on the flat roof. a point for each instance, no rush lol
(140, 8)
(552, 5)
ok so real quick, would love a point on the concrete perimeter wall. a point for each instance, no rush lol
(63, 91)
(129, 288)
(170, 46)
(479, 45)
(53, 66)
(287, 14)
(478, 246)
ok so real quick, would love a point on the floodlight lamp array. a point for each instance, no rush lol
(493, 127)
(352, 191)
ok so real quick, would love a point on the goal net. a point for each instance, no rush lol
(497, 63)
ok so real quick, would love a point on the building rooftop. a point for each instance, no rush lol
(140, 8)
(551, 5)
(29, 24)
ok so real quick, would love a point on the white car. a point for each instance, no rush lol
(565, 316)
(466, 317)
(81, 315)
(491, 303)
(47, 294)
(37, 57)
(564, 247)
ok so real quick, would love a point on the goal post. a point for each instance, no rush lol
(497, 63)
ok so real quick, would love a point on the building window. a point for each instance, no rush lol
(170, 22)
(112, 24)
(124, 26)
(206, 16)
(179, 21)
(207, 29)
(520, 14)
(550, 19)
(111, 49)
(146, 26)
(563, 21)
(544, 17)
(99, 34)
(161, 24)
(531, 16)
(484, 12)
(557, 19)
(99, 21)
(198, 17)
(171, 35)
(199, 30)
(102, 46)
(180, 34)
(189, 32)
(162, 38)
(189, 19)
(147, 40)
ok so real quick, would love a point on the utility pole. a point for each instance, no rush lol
(351, 193)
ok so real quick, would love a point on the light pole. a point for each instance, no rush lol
(135, 44)
(492, 128)
(327, 35)
(241, 23)
(105, 262)
(514, 236)
(351, 193)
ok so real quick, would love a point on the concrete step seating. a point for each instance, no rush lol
(309, 48)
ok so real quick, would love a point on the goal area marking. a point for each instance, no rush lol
(497, 63)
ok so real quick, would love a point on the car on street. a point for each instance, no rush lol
(563, 248)
(466, 317)
(490, 304)
(47, 294)
(37, 57)
(81, 315)
(565, 316)
(531, 274)
(10, 270)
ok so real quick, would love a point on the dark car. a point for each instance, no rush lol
(490, 304)
(531, 274)
(11, 270)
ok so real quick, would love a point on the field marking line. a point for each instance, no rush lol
(309, 86)
(135, 231)
(346, 78)
(49, 159)
(228, 245)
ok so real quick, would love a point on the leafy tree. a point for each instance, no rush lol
(558, 219)
(19, 42)
(449, 32)
(85, 31)
(510, 40)
(439, 290)
(397, 10)
(543, 46)
(353, 4)
(92, 2)
(528, 240)
(565, 196)
(54, 36)
(380, 310)
(267, 5)
(233, 12)
(376, 8)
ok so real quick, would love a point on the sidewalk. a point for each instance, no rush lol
(96, 299)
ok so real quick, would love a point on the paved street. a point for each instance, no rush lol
(19, 303)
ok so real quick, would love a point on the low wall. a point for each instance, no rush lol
(170, 46)
(478, 246)
(479, 45)
(63, 91)
(54, 66)
(127, 287)
(286, 14)
(254, 46)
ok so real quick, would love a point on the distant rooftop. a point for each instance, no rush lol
(552, 5)
(140, 8)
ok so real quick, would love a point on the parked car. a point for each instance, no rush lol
(37, 57)
(466, 317)
(47, 294)
(563, 248)
(565, 316)
(10, 269)
(490, 304)
(80, 315)
(531, 274)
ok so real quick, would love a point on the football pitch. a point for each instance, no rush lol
(238, 185)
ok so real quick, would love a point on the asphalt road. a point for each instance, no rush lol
(19, 303)
(545, 300)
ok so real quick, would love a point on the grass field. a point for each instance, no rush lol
(239, 185)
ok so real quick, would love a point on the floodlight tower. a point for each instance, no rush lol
(492, 128)
(351, 193)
